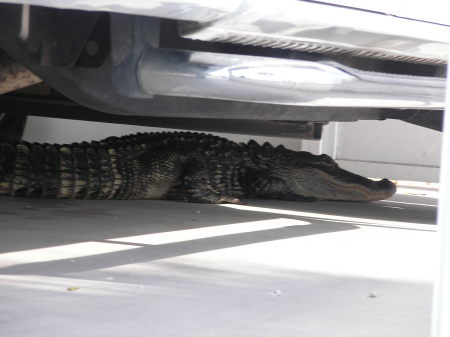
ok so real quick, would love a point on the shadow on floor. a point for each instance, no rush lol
(30, 224)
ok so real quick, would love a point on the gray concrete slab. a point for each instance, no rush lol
(269, 268)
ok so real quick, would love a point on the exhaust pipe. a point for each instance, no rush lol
(279, 81)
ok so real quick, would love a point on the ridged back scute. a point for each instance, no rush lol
(37, 172)
(21, 170)
(52, 173)
(7, 158)
(81, 176)
(66, 172)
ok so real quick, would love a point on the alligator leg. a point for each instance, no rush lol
(262, 185)
(11, 127)
(197, 186)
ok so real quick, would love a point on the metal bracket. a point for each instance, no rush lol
(12, 127)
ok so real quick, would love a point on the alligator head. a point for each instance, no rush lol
(321, 177)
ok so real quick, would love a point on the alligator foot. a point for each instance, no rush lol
(230, 200)
(210, 197)
(196, 186)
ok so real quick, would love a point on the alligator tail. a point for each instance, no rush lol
(82, 171)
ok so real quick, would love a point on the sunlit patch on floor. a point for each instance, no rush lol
(208, 232)
(70, 251)
(339, 218)
(406, 203)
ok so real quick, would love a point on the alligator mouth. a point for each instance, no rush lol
(347, 186)
(376, 190)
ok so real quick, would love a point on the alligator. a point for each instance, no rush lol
(185, 166)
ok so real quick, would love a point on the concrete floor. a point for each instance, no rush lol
(277, 269)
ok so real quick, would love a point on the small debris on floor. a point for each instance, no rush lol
(275, 293)
(73, 288)
(373, 294)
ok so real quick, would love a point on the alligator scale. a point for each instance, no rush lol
(183, 166)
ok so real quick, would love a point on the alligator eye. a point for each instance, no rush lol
(326, 159)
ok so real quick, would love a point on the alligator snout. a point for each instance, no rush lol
(383, 189)
(386, 185)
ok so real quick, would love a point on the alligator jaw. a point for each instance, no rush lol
(345, 186)
(382, 189)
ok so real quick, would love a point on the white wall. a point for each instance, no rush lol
(55, 130)
(379, 149)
